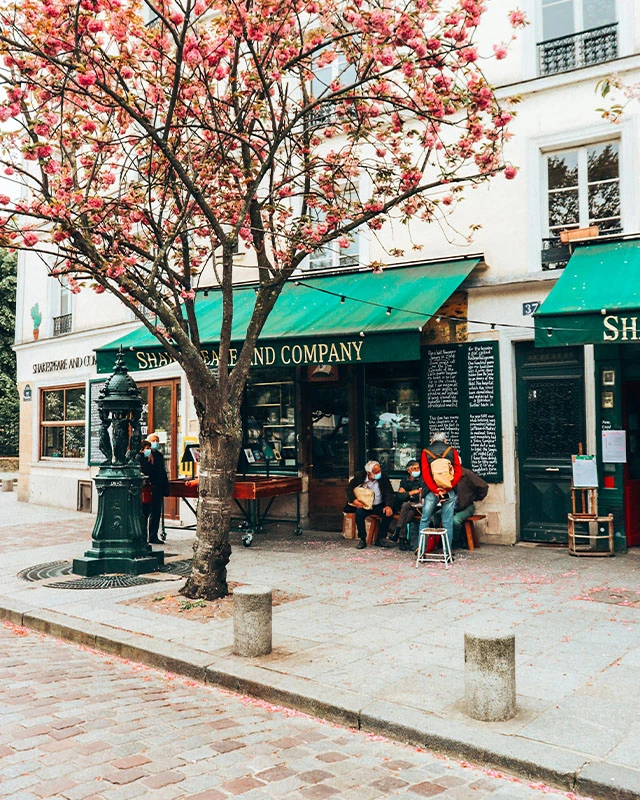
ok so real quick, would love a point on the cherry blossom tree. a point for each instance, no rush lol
(154, 137)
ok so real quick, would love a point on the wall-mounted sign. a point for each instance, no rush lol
(530, 308)
(62, 364)
(357, 349)
(614, 447)
(463, 400)
(27, 394)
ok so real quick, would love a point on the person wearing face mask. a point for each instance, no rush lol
(151, 463)
(373, 478)
(409, 498)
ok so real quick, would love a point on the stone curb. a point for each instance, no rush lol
(565, 769)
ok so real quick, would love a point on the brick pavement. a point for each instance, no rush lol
(79, 725)
(377, 643)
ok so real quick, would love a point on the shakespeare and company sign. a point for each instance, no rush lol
(354, 350)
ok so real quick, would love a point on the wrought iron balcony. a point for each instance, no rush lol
(578, 50)
(62, 324)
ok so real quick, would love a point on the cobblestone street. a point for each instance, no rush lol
(77, 724)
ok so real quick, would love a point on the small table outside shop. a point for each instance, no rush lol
(248, 493)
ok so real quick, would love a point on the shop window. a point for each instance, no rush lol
(393, 414)
(62, 424)
(577, 33)
(270, 421)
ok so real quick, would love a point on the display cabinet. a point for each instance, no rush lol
(270, 424)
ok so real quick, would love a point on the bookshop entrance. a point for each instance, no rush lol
(353, 414)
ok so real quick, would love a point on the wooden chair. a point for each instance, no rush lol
(470, 531)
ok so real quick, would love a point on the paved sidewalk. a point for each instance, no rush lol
(378, 644)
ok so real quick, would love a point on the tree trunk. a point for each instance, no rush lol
(212, 550)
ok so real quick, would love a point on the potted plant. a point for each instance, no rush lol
(36, 316)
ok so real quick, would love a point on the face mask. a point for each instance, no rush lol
(415, 474)
(154, 445)
(147, 452)
(377, 477)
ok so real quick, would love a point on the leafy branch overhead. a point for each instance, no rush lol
(284, 125)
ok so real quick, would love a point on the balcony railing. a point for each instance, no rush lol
(556, 254)
(578, 50)
(62, 324)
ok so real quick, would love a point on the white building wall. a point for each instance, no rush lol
(555, 111)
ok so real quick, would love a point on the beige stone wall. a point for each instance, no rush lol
(26, 442)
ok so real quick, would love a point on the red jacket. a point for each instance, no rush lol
(438, 448)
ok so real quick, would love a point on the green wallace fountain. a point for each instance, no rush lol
(119, 542)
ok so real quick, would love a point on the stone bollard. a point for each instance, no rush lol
(7, 486)
(490, 676)
(252, 621)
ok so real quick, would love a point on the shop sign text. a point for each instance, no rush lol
(267, 356)
(64, 363)
(623, 329)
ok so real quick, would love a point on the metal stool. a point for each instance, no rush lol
(444, 557)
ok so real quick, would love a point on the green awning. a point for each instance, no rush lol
(310, 323)
(596, 299)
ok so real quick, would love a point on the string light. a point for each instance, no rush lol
(428, 316)
(425, 315)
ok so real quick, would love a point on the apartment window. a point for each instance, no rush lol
(62, 424)
(577, 33)
(583, 188)
(332, 255)
(63, 322)
(339, 70)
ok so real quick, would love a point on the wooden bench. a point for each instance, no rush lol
(470, 531)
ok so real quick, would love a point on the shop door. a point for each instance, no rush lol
(327, 425)
(551, 428)
(631, 423)
(161, 410)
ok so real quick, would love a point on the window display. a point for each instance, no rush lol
(393, 414)
(270, 422)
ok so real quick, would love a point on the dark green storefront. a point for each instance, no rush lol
(597, 301)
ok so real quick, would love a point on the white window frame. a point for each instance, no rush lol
(583, 185)
(627, 132)
(361, 239)
(578, 16)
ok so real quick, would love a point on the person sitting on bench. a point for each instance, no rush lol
(409, 499)
(379, 490)
(470, 489)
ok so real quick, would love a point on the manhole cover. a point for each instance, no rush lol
(622, 597)
(44, 572)
(104, 582)
(178, 568)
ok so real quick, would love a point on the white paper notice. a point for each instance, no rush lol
(585, 472)
(614, 447)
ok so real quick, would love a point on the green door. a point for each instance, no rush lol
(551, 428)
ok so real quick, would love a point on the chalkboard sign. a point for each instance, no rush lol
(462, 388)
(95, 456)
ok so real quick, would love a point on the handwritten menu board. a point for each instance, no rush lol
(95, 456)
(463, 400)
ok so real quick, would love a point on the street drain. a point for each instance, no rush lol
(58, 569)
(45, 572)
(182, 568)
(104, 582)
